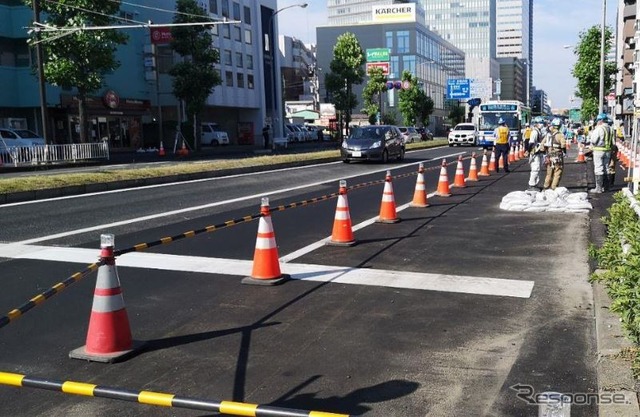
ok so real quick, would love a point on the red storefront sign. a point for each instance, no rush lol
(161, 35)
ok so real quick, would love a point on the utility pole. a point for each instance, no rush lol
(40, 64)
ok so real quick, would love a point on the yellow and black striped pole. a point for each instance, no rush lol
(157, 398)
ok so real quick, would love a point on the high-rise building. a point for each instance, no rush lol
(347, 12)
(514, 34)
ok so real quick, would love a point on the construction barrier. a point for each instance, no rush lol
(156, 398)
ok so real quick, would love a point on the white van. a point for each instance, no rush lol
(213, 135)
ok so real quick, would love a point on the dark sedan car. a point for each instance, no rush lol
(377, 142)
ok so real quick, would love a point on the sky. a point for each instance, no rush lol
(556, 24)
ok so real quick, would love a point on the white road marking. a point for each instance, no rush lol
(307, 272)
(188, 209)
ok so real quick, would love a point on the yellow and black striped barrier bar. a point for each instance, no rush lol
(157, 398)
(40, 298)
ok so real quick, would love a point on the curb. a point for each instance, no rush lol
(614, 373)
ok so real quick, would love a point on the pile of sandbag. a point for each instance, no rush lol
(558, 200)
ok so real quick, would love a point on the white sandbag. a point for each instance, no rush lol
(578, 205)
(535, 209)
(582, 196)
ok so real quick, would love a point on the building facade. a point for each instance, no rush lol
(136, 106)
(627, 63)
(412, 47)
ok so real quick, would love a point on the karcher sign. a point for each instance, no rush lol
(394, 13)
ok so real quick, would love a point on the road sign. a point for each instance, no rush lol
(378, 55)
(459, 88)
(383, 65)
(474, 102)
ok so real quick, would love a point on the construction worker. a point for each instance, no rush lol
(501, 135)
(526, 135)
(555, 149)
(601, 140)
(535, 150)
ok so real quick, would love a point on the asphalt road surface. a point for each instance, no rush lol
(440, 314)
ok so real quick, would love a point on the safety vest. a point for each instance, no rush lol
(608, 139)
(527, 133)
(502, 135)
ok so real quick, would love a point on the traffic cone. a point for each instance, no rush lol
(161, 152)
(580, 157)
(492, 161)
(512, 155)
(266, 263)
(473, 169)
(342, 234)
(521, 151)
(458, 180)
(109, 335)
(183, 151)
(501, 163)
(568, 145)
(420, 193)
(443, 182)
(484, 166)
(388, 212)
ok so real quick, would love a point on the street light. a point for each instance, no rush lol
(273, 68)
(604, 18)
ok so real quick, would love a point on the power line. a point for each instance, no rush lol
(93, 12)
(158, 9)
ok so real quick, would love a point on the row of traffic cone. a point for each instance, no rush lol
(109, 336)
(183, 151)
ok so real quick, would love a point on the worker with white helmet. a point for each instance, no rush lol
(601, 140)
(535, 150)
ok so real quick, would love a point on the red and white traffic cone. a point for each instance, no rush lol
(458, 179)
(388, 213)
(473, 169)
(266, 263)
(109, 335)
(492, 161)
(342, 234)
(484, 166)
(443, 182)
(420, 192)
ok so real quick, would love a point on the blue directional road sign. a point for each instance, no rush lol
(459, 88)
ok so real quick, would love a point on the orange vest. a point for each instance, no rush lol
(502, 135)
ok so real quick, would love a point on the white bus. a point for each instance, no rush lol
(514, 113)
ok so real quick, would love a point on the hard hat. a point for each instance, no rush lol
(501, 121)
(526, 124)
(556, 122)
(538, 120)
(602, 116)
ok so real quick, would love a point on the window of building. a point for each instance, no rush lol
(247, 15)
(225, 8)
(402, 36)
(239, 62)
(236, 11)
(249, 61)
(214, 30)
(226, 57)
(164, 58)
(247, 37)
(237, 33)
(228, 75)
(389, 40)
(240, 80)
(213, 6)
(250, 81)
(226, 32)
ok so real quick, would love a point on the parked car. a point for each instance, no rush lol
(463, 134)
(425, 133)
(19, 137)
(213, 135)
(294, 134)
(410, 134)
(376, 142)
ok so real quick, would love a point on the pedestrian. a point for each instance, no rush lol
(320, 134)
(501, 135)
(265, 136)
(535, 150)
(526, 135)
(601, 140)
(555, 149)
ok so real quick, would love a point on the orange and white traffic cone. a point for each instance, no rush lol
(581, 157)
(388, 212)
(420, 193)
(512, 155)
(266, 263)
(473, 169)
(521, 151)
(484, 166)
(443, 182)
(183, 151)
(342, 234)
(568, 145)
(109, 335)
(492, 161)
(501, 163)
(458, 180)
(161, 152)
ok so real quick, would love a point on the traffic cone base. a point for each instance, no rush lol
(112, 357)
(266, 282)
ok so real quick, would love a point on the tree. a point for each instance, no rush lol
(587, 69)
(195, 77)
(346, 70)
(456, 115)
(372, 94)
(79, 59)
(415, 105)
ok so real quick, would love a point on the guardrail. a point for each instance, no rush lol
(21, 156)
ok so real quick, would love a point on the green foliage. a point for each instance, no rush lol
(376, 86)
(456, 115)
(79, 59)
(619, 256)
(195, 77)
(390, 118)
(415, 106)
(347, 69)
(586, 70)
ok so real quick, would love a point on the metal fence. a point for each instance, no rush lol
(21, 156)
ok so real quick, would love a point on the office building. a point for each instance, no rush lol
(349, 12)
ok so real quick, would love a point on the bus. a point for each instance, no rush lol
(513, 112)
